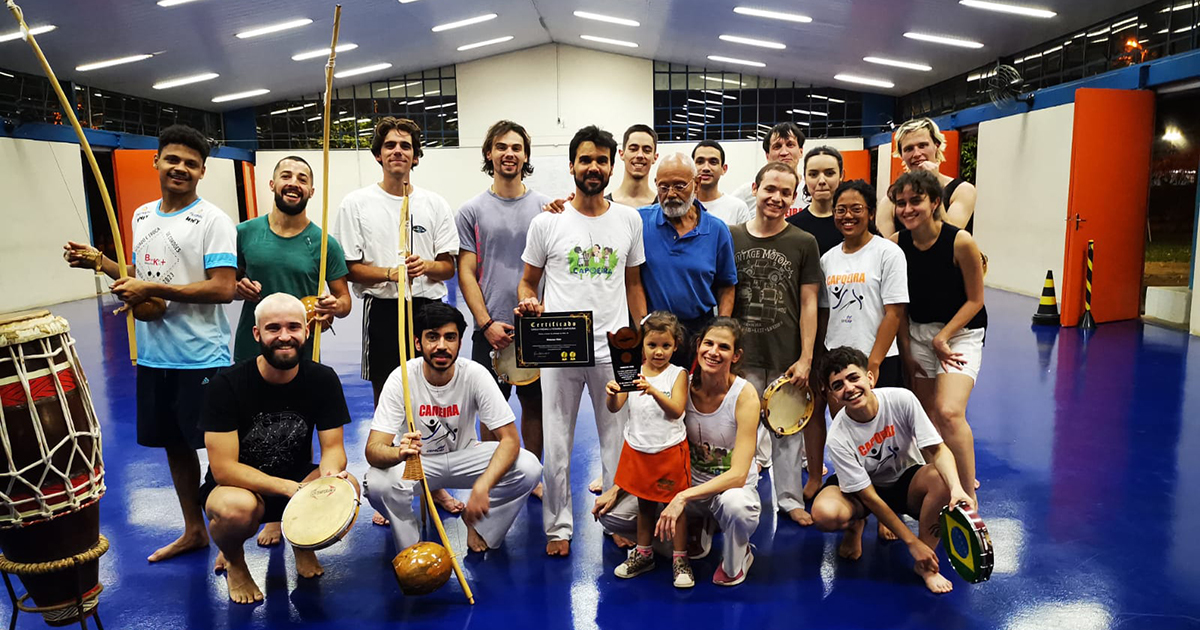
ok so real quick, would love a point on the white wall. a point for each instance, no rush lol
(219, 185)
(1023, 180)
(42, 207)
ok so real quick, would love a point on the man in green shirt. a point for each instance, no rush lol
(281, 253)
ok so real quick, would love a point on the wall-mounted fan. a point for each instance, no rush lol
(1004, 87)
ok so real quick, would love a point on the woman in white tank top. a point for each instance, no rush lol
(722, 422)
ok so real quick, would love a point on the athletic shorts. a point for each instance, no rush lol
(894, 495)
(275, 503)
(481, 354)
(891, 372)
(657, 476)
(968, 341)
(168, 406)
(381, 336)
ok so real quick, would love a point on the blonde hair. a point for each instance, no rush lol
(915, 125)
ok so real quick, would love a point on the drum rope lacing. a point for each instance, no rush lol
(54, 566)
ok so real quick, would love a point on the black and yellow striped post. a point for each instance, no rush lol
(1047, 310)
(1088, 322)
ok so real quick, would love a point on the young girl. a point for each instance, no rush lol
(822, 173)
(942, 341)
(654, 463)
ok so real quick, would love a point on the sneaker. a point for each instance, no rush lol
(683, 572)
(635, 565)
(720, 578)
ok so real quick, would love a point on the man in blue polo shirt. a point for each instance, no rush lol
(689, 268)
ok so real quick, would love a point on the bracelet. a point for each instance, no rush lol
(388, 274)
(487, 325)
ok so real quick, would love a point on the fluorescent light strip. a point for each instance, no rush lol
(850, 78)
(1126, 20)
(450, 104)
(314, 118)
(743, 62)
(1124, 28)
(486, 42)
(5, 74)
(985, 75)
(467, 22)
(171, 3)
(196, 78)
(606, 18)
(375, 67)
(606, 40)
(1179, 7)
(774, 15)
(1103, 31)
(722, 80)
(714, 92)
(240, 95)
(111, 62)
(322, 52)
(411, 103)
(398, 87)
(805, 111)
(827, 98)
(898, 64)
(274, 28)
(293, 109)
(1052, 50)
(761, 43)
(942, 39)
(37, 30)
(1014, 9)
(450, 120)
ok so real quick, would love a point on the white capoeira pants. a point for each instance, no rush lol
(562, 389)
(784, 455)
(735, 511)
(392, 495)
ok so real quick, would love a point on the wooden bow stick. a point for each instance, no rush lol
(337, 22)
(412, 468)
(69, 109)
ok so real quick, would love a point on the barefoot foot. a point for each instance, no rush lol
(885, 534)
(475, 542)
(307, 565)
(220, 565)
(270, 535)
(537, 491)
(596, 487)
(380, 519)
(851, 545)
(242, 589)
(935, 582)
(623, 542)
(800, 516)
(184, 544)
(447, 502)
(558, 548)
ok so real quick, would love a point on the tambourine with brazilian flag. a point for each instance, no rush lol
(967, 543)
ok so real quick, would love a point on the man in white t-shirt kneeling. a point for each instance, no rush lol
(447, 394)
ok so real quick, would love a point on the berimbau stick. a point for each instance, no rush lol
(69, 109)
(337, 22)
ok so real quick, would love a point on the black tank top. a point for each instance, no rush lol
(935, 284)
(948, 193)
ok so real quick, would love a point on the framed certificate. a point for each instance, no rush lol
(561, 339)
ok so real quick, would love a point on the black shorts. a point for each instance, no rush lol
(481, 354)
(895, 495)
(168, 406)
(891, 372)
(381, 337)
(274, 503)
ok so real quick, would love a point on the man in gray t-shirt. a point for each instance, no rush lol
(491, 235)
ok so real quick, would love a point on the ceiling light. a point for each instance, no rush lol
(111, 62)
(1008, 8)
(171, 3)
(238, 95)
(774, 15)
(722, 80)
(744, 62)
(486, 42)
(398, 87)
(322, 52)
(850, 78)
(722, 95)
(897, 64)
(314, 118)
(606, 40)
(827, 98)
(411, 103)
(293, 109)
(761, 43)
(1052, 50)
(467, 22)
(346, 119)
(5, 74)
(451, 104)
(196, 78)
(37, 30)
(805, 111)
(450, 120)
(606, 18)
(274, 28)
(406, 1)
(363, 70)
(1128, 19)
(942, 39)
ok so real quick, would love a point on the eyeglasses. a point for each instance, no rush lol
(856, 209)
(679, 188)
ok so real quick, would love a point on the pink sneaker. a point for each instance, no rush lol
(720, 578)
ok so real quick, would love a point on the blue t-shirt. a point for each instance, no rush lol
(682, 272)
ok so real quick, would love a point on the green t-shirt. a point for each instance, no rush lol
(282, 265)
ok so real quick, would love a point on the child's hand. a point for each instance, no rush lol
(641, 384)
(612, 388)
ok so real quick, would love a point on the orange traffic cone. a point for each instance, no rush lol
(1047, 311)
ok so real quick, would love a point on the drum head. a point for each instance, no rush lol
(320, 513)
(18, 328)
(967, 543)
(787, 407)
(504, 362)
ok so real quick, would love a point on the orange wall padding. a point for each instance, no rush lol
(949, 167)
(1110, 180)
(857, 165)
(248, 190)
(136, 184)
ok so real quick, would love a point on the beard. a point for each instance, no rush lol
(441, 354)
(269, 352)
(675, 208)
(591, 188)
(290, 210)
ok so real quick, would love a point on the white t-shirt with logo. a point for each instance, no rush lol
(730, 209)
(857, 287)
(878, 452)
(444, 415)
(368, 228)
(584, 259)
(177, 249)
(648, 429)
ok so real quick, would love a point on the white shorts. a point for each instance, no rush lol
(968, 342)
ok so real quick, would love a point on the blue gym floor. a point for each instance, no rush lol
(1083, 451)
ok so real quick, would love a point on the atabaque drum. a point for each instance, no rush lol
(422, 568)
(967, 543)
(320, 513)
(51, 470)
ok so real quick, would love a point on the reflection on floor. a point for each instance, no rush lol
(1083, 450)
